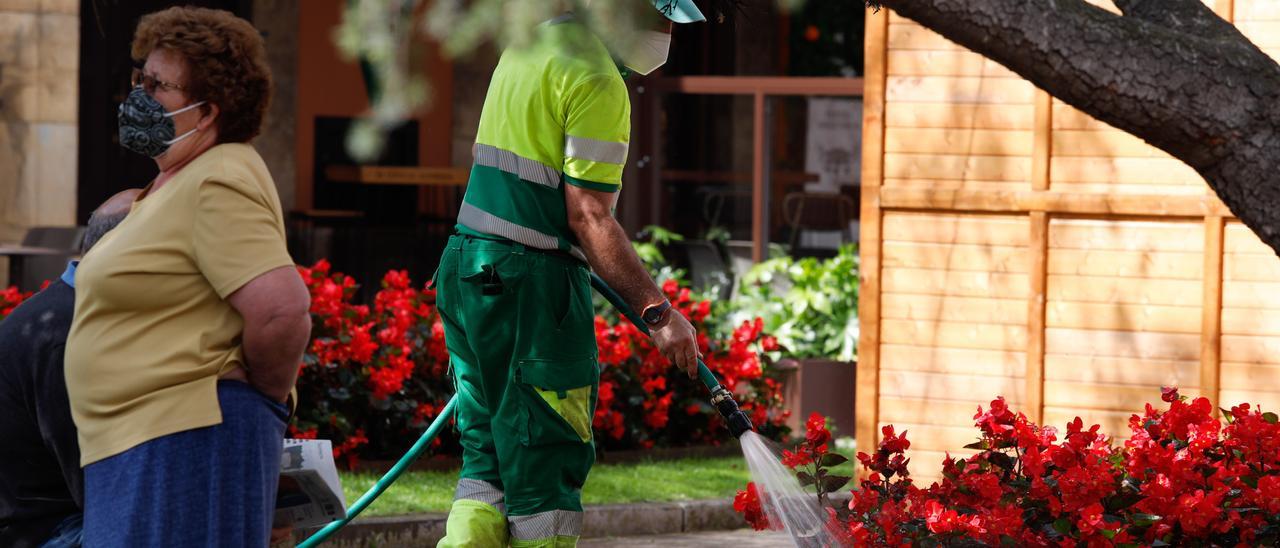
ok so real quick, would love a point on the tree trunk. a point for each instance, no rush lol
(1168, 71)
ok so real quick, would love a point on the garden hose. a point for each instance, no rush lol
(721, 398)
(387, 479)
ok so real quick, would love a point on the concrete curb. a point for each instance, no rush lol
(610, 520)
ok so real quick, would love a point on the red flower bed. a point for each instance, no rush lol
(10, 298)
(1184, 478)
(374, 378)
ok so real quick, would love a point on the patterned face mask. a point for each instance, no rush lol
(145, 127)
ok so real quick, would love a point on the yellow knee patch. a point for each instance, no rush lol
(473, 523)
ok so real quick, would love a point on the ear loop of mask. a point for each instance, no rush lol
(170, 142)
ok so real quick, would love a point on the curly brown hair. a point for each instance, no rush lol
(226, 63)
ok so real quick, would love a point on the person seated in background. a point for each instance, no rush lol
(41, 485)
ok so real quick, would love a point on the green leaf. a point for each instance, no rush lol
(833, 459)
(805, 478)
(1227, 415)
(1002, 460)
(1121, 501)
(979, 445)
(1270, 418)
(1144, 520)
(1108, 533)
(1250, 480)
(1063, 525)
(831, 484)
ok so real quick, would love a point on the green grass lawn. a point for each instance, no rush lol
(649, 481)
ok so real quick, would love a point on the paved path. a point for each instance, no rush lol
(742, 538)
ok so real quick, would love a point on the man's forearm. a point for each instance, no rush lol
(610, 253)
(273, 352)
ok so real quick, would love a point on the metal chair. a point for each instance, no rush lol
(817, 212)
(43, 255)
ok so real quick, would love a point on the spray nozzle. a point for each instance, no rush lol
(734, 417)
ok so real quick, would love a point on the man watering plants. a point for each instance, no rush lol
(513, 284)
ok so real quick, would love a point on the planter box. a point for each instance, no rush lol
(819, 385)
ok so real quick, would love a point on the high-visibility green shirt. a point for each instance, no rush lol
(557, 113)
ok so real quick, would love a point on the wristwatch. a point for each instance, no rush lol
(655, 313)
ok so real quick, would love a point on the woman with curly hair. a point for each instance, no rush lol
(192, 319)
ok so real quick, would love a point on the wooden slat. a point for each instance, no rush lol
(1160, 171)
(1067, 117)
(1250, 295)
(1101, 397)
(953, 309)
(1039, 244)
(1107, 143)
(1123, 344)
(1106, 370)
(1250, 376)
(1124, 317)
(959, 89)
(925, 411)
(1250, 268)
(1110, 289)
(1268, 401)
(1250, 349)
(958, 116)
(1138, 205)
(955, 257)
(1098, 234)
(954, 335)
(1256, 10)
(958, 361)
(1211, 317)
(1130, 264)
(1187, 188)
(952, 184)
(1114, 423)
(928, 437)
(918, 281)
(1251, 321)
(982, 142)
(959, 167)
(867, 404)
(1224, 8)
(1266, 34)
(912, 36)
(1042, 141)
(948, 228)
(1239, 239)
(944, 63)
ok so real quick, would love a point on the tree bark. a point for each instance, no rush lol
(1170, 72)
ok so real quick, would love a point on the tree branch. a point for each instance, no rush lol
(1188, 16)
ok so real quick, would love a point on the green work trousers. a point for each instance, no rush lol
(519, 325)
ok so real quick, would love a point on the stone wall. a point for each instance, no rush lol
(39, 64)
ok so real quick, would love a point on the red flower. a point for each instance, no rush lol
(800, 457)
(747, 503)
(815, 430)
(1169, 393)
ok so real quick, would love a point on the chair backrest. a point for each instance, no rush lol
(707, 267)
(56, 237)
(38, 269)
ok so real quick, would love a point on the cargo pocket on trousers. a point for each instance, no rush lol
(558, 400)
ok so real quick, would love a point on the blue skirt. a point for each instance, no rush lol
(212, 486)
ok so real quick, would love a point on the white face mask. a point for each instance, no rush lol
(648, 52)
